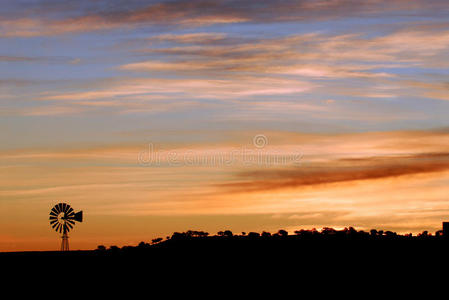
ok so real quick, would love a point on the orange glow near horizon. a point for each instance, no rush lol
(383, 183)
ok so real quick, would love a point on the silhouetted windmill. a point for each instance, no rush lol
(62, 219)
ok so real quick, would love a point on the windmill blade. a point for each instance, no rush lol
(69, 210)
(53, 221)
(60, 228)
(53, 217)
(64, 207)
(54, 225)
(53, 213)
(71, 217)
(70, 221)
(55, 209)
(70, 225)
(57, 227)
(59, 207)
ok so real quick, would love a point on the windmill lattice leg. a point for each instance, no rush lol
(65, 242)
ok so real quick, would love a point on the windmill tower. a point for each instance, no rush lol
(62, 219)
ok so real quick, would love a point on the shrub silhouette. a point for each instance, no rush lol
(196, 239)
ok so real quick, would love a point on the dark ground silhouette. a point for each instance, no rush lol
(190, 255)
(227, 245)
(332, 260)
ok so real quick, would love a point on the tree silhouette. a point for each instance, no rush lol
(253, 235)
(266, 234)
(282, 233)
(114, 248)
(228, 233)
(101, 248)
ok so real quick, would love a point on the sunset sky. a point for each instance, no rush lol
(162, 116)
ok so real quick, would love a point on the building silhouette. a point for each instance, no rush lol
(446, 230)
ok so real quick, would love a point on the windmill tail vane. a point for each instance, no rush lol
(62, 220)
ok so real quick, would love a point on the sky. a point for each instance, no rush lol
(162, 116)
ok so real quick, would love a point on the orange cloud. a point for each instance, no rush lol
(341, 171)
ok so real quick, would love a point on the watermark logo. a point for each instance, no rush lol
(256, 155)
(260, 141)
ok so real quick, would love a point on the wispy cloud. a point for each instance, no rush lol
(49, 111)
(195, 13)
(311, 56)
(15, 58)
(341, 171)
(399, 49)
(193, 88)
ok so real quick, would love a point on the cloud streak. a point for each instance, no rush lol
(375, 65)
(196, 13)
(341, 171)
(194, 88)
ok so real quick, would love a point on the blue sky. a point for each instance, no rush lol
(64, 48)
